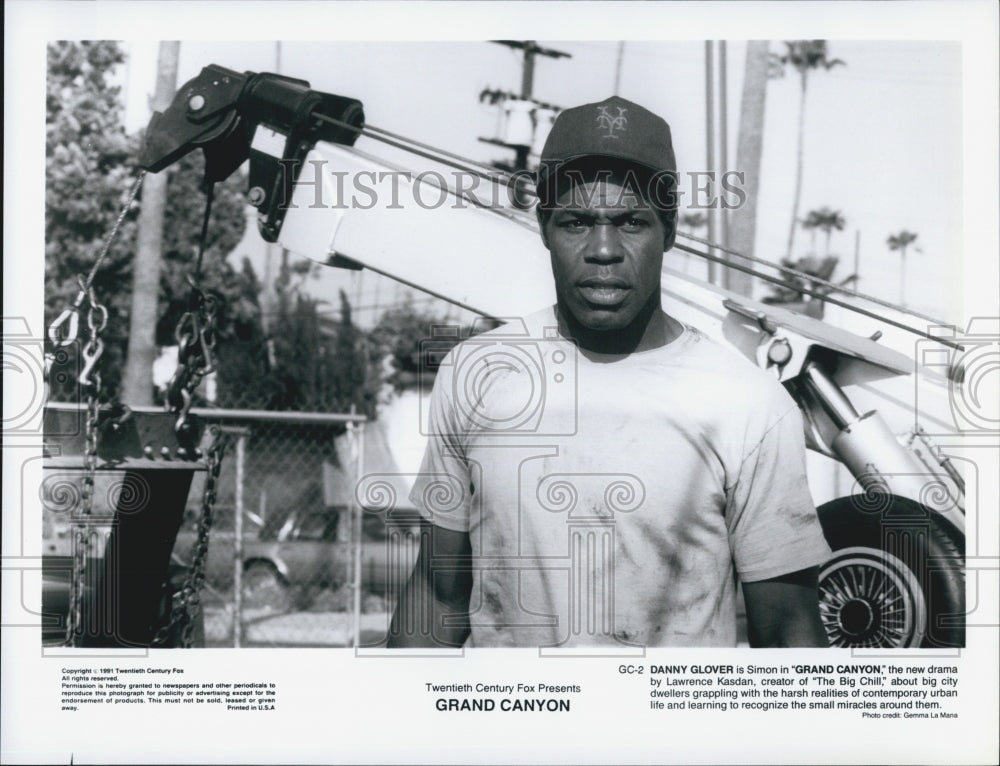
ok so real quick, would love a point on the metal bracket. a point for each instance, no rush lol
(759, 317)
(221, 112)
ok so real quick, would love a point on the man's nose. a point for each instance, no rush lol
(605, 244)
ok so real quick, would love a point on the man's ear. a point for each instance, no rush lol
(542, 217)
(670, 238)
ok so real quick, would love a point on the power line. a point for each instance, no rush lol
(457, 161)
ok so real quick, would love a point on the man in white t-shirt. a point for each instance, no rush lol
(599, 474)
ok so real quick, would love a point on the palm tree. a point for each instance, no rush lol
(901, 242)
(827, 221)
(805, 56)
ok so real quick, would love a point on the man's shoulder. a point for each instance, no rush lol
(727, 373)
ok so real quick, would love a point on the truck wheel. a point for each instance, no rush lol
(897, 575)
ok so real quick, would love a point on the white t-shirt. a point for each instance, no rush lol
(614, 499)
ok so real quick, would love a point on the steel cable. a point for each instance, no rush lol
(459, 162)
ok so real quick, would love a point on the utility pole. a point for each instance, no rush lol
(723, 147)
(749, 144)
(531, 49)
(710, 153)
(137, 380)
(717, 153)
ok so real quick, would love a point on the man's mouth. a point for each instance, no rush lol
(604, 292)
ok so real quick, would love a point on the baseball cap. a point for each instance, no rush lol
(616, 129)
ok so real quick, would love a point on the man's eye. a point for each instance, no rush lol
(633, 223)
(574, 224)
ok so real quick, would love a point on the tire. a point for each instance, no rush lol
(897, 575)
(264, 588)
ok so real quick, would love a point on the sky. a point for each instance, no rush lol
(883, 134)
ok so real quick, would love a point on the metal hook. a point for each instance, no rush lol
(186, 318)
(58, 327)
(208, 365)
(71, 316)
(91, 354)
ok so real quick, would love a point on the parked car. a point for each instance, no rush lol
(285, 568)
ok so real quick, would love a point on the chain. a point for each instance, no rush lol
(90, 381)
(196, 338)
(63, 331)
(186, 602)
(195, 333)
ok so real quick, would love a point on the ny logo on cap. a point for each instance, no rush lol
(605, 120)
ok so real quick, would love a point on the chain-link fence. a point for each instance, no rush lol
(295, 557)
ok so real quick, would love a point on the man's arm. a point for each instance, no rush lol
(784, 611)
(433, 607)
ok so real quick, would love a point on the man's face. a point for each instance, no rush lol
(606, 245)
